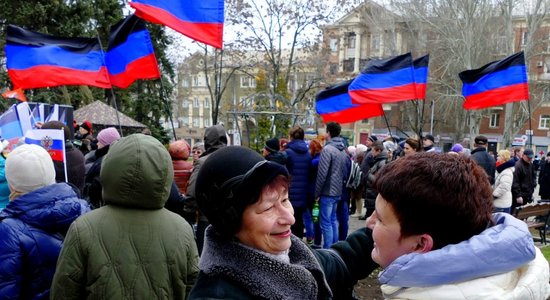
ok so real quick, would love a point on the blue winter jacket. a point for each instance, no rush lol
(498, 249)
(32, 228)
(298, 164)
(330, 177)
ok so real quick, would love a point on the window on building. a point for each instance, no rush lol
(351, 40)
(196, 122)
(524, 37)
(333, 45)
(245, 81)
(544, 122)
(206, 122)
(333, 69)
(185, 82)
(185, 103)
(494, 120)
(348, 65)
(185, 120)
(196, 102)
(206, 102)
(375, 42)
(195, 80)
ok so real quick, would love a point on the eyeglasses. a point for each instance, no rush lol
(197, 152)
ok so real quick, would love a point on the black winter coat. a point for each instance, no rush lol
(486, 161)
(544, 181)
(231, 271)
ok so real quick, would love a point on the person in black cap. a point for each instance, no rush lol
(249, 250)
(484, 159)
(524, 182)
(428, 143)
(271, 151)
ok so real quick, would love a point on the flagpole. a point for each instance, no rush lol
(388, 125)
(163, 99)
(113, 95)
(530, 128)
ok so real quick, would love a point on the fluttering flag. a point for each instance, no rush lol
(421, 75)
(496, 83)
(200, 20)
(130, 55)
(334, 104)
(36, 60)
(53, 140)
(10, 127)
(385, 81)
(15, 94)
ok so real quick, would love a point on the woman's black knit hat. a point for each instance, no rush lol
(229, 180)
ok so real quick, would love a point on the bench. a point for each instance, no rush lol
(535, 216)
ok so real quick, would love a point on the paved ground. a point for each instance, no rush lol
(368, 288)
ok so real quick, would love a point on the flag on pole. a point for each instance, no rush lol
(130, 55)
(199, 20)
(421, 75)
(10, 127)
(385, 81)
(36, 60)
(334, 104)
(496, 83)
(53, 140)
(15, 94)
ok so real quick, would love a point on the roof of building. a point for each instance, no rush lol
(100, 113)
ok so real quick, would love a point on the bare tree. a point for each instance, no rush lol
(464, 35)
(286, 34)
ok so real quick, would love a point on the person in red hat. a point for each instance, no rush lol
(84, 137)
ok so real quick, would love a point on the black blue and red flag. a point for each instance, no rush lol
(385, 81)
(36, 60)
(421, 75)
(200, 20)
(496, 83)
(130, 55)
(334, 104)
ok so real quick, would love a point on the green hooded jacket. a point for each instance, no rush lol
(131, 248)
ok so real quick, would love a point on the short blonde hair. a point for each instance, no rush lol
(504, 154)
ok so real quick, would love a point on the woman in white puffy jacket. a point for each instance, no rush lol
(502, 190)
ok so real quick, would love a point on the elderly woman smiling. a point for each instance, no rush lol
(249, 250)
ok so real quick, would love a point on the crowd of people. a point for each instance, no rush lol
(139, 220)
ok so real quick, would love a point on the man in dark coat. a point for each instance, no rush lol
(524, 182)
(484, 159)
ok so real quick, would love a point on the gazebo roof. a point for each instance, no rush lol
(100, 113)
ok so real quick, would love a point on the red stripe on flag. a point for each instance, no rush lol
(381, 96)
(420, 90)
(208, 33)
(49, 76)
(353, 114)
(142, 68)
(499, 96)
(57, 155)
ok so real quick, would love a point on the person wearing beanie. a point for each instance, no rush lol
(132, 247)
(271, 151)
(250, 251)
(457, 148)
(215, 138)
(197, 151)
(93, 186)
(84, 138)
(33, 223)
(179, 152)
(76, 170)
(428, 143)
